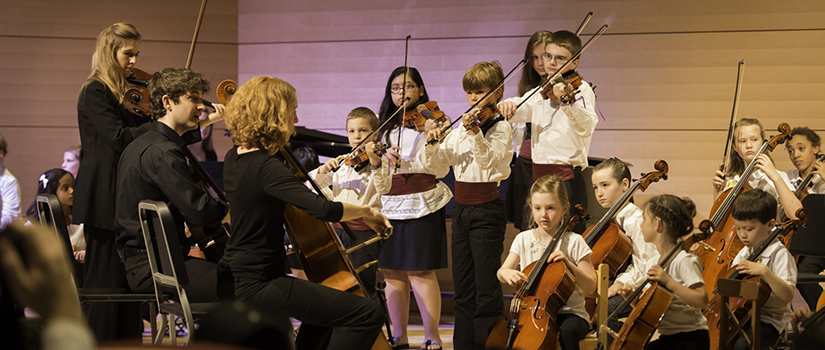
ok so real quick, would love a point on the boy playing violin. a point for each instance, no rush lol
(480, 154)
(363, 187)
(561, 132)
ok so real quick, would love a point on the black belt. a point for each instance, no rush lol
(127, 252)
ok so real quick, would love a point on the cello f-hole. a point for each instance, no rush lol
(721, 250)
(536, 310)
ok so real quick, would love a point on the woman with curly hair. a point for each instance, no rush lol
(261, 118)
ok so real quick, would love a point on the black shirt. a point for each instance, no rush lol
(155, 167)
(259, 186)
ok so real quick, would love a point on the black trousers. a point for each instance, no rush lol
(612, 304)
(810, 291)
(203, 277)
(363, 255)
(695, 340)
(572, 329)
(518, 189)
(477, 244)
(768, 334)
(103, 269)
(316, 306)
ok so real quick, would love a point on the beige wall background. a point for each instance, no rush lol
(45, 56)
(665, 71)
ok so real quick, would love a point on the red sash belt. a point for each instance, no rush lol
(355, 224)
(411, 183)
(526, 150)
(565, 171)
(472, 193)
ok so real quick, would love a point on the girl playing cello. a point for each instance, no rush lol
(548, 203)
(666, 219)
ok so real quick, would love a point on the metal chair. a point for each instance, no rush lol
(51, 216)
(168, 270)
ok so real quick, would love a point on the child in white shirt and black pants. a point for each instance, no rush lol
(479, 152)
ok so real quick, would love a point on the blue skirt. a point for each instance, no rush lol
(416, 244)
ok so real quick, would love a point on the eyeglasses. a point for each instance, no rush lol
(548, 57)
(396, 89)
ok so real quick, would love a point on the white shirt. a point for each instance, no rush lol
(415, 205)
(560, 135)
(350, 186)
(818, 186)
(528, 249)
(9, 198)
(782, 263)
(630, 219)
(761, 181)
(680, 316)
(475, 158)
(77, 237)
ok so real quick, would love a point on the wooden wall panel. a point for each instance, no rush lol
(45, 56)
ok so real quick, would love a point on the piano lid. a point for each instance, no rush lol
(326, 144)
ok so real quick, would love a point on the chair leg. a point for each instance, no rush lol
(161, 330)
(153, 320)
(173, 331)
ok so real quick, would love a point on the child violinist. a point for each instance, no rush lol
(561, 133)
(363, 187)
(611, 179)
(479, 152)
(666, 219)
(522, 173)
(803, 149)
(754, 214)
(415, 207)
(748, 136)
(549, 204)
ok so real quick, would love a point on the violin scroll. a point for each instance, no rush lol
(580, 216)
(136, 99)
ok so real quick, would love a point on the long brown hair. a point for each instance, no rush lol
(736, 165)
(529, 77)
(105, 68)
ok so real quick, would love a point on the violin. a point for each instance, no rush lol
(485, 118)
(531, 322)
(136, 99)
(416, 118)
(738, 306)
(572, 81)
(359, 158)
(723, 244)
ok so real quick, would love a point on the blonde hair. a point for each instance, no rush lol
(552, 184)
(736, 165)
(483, 75)
(259, 114)
(105, 68)
(365, 113)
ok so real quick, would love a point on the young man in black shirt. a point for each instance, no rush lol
(155, 167)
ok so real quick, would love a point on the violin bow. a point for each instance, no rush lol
(584, 23)
(507, 77)
(403, 105)
(740, 74)
(566, 64)
(404, 95)
(195, 36)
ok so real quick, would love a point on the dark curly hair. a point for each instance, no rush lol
(174, 82)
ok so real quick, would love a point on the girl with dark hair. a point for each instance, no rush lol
(415, 207)
(60, 182)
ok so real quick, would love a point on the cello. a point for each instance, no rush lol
(650, 308)
(320, 251)
(530, 323)
(722, 243)
(605, 238)
(740, 307)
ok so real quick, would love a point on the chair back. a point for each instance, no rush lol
(51, 216)
(162, 245)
